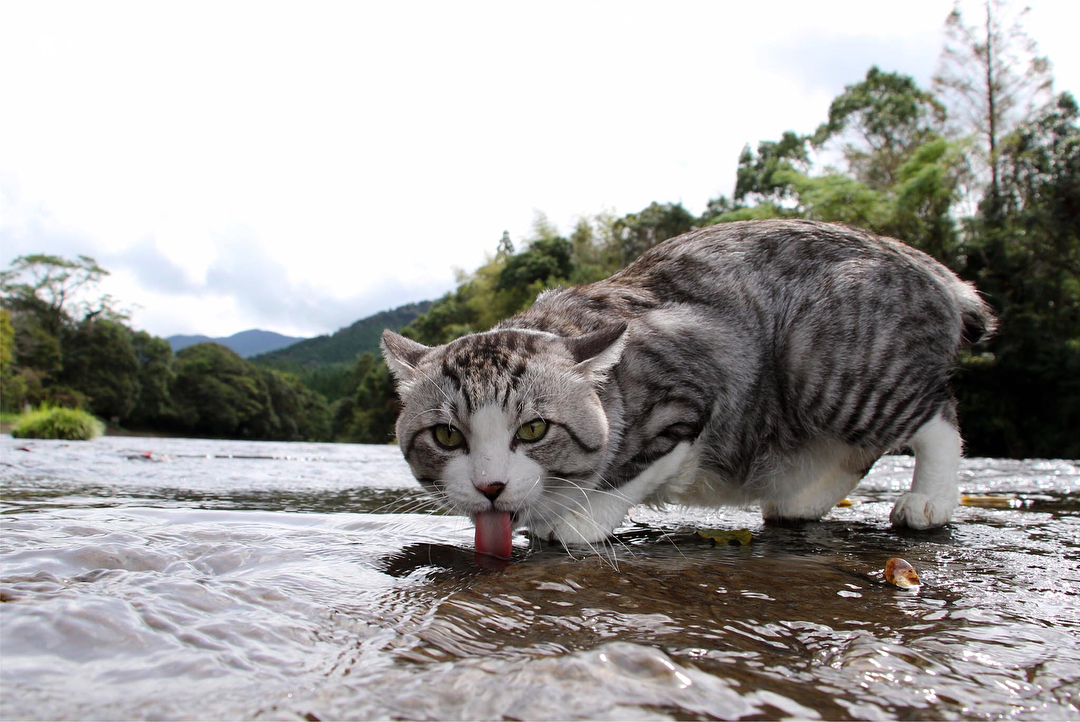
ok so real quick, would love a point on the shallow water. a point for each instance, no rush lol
(221, 580)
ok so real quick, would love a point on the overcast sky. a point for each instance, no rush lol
(295, 167)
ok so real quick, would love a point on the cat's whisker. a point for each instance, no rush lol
(584, 539)
(604, 539)
(586, 490)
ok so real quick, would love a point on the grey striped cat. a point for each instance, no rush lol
(760, 361)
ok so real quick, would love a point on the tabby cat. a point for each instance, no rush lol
(761, 361)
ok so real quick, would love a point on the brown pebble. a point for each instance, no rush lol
(901, 573)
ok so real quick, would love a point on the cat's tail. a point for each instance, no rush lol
(978, 322)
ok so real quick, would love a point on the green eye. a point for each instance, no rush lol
(448, 437)
(533, 430)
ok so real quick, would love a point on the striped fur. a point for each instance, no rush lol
(767, 362)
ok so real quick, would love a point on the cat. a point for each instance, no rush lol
(757, 361)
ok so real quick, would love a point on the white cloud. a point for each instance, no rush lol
(285, 165)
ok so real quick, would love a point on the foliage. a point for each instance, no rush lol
(889, 116)
(99, 360)
(218, 393)
(49, 422)
(154, 380)
(12, 386)
(1028, 264)
(54, 288)
(766, 175)
(92, 360)
(636, 233)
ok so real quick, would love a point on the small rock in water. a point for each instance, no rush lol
(901, 573)
(741, 537)
(993, 501)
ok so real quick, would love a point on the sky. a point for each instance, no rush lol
(298, 166)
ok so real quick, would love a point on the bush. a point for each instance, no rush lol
(49, 422)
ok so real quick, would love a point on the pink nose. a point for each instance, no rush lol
(491, 491)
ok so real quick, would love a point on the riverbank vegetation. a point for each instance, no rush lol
(57, 422)
(981, 170)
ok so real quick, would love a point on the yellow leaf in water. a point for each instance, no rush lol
(990, 501)
(848, 502)
(901, 573)
(741, 537)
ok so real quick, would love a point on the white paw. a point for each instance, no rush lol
(920, 511)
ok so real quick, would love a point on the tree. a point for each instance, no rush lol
(635, 233)
(1028, 401)
(99, 361)
(890, 116)
(923, 197)
(55, 289)
(217, 393)
(12, 385)
(767, 174)
(994, 77)
(299, 413)
(545, 258)
(155, 375)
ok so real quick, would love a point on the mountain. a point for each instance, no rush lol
(246, 343)
(343, 345)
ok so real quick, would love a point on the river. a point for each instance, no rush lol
(176, 578)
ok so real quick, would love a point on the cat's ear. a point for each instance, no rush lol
(597, 352)
(402, 354)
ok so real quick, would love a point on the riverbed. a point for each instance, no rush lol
(175, 579)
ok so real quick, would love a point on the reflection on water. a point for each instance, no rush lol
(225, 579)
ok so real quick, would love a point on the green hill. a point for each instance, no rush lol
(342, 346)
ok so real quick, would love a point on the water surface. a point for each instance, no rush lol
(221, 580)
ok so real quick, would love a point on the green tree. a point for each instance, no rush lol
(217, 393)
(635, 233)
(374, 407)
(927, 188)
(99, 361)
(1026, 400)
(55, 289)
(545, 260)
(298, 413)
(888, 116)
(155, 375)
(766, 175)
(12, 385)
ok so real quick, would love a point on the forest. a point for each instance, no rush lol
(981, 170)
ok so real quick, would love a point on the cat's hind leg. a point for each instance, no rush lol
(934, 491)
(815, 482)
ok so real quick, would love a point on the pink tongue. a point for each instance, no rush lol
(493, 534)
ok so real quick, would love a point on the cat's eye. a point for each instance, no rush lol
(448, 437)
(532, 430)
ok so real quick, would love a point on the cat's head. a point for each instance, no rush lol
(508, 420)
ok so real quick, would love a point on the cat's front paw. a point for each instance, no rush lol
(920, 511)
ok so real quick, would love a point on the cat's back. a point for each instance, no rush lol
(774, 257)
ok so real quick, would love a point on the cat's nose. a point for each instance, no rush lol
(492, 490)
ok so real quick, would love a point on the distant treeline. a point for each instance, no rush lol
(983, 173)
(63, 344)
